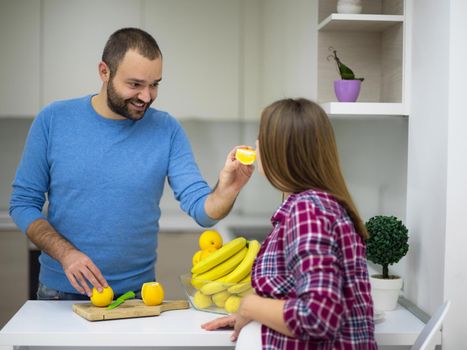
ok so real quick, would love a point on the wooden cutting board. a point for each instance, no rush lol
(129, 309)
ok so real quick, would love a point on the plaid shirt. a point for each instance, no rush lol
(315, 260)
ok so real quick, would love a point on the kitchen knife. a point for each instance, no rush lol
(121, 299)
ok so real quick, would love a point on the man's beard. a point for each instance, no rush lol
(119, 105)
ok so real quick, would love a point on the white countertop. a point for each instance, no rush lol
(53, 323)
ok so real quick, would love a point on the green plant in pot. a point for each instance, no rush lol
(386, 245)
(348, 87)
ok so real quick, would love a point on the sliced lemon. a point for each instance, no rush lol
(245, 155)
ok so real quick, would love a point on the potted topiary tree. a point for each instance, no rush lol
(347, 88)
(386, 245)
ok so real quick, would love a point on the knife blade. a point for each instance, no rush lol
(121, 299)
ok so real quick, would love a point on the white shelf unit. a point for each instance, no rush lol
(362, 109)
(373, 45)
(359, 22)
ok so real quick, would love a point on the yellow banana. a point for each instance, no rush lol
(245, 292)
(232, 303)
(246, 279)
(219, 256)
(244, 268)
(214, 287)
(197, 283)
(220, 298)
(241, 286)
(220, 270)
(202, 301)
(225, 267)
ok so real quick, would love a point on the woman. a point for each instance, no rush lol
(310, 276)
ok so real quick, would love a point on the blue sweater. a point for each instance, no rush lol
(104, 180)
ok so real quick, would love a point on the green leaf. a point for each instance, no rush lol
(344, 71)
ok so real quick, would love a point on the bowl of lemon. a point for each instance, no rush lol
(215, 296)
(221, 273)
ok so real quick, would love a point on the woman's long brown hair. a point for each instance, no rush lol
(298, 152)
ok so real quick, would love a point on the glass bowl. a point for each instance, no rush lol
(214, 296)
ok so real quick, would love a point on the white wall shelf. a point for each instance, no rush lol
(374, 45)
(359, 22)
(343, 109)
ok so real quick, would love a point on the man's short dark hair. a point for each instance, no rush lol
(129, 39)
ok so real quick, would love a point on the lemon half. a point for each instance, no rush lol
(245, 156)
(152, 293)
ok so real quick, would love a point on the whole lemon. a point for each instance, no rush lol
(152, 293)
(103, 298)
(210, 239)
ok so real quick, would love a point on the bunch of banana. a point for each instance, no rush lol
(223, 277)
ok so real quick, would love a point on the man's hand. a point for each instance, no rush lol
(78, 267)
(235, 175)
(232, 178)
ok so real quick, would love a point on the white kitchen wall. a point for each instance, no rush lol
(437, 171)
(426, 188)
(455, 275)
(373, 156)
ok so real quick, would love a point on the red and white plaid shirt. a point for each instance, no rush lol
(316, 261)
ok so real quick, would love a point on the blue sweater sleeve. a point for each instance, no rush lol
(32, 176)
(184, 177)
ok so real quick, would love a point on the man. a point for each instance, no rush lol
(102, 161)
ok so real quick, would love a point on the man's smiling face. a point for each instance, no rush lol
(132, 89)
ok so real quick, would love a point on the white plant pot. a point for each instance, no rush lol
(349, 6)
(385, 292)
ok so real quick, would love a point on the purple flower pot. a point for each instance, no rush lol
(347, 90)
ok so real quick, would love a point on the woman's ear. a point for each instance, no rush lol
(104, 71)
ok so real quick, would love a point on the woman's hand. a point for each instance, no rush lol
(222, 322)
(234, 321)
(240, 322)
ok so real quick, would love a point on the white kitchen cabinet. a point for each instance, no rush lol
(74, 35)
(200, 44)
(20, 57)
(374, 44)
(13, 273)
